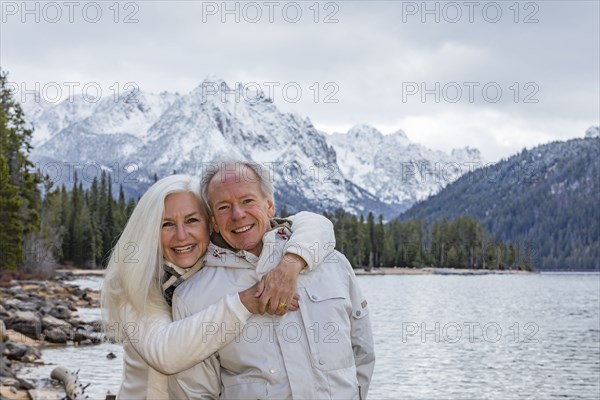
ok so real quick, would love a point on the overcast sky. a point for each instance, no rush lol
(498, 76)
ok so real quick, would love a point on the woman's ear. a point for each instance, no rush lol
(271, 208)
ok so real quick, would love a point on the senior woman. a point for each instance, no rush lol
(169, 231)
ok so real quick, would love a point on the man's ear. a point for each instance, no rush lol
(271, 208)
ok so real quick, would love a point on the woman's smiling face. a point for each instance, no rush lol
(184, 232)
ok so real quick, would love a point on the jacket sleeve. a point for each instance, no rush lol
(361, 336)
(312, 238)
(202, 381)
(171, 347)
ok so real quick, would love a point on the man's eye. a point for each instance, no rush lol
(223, 207)
(246, 201)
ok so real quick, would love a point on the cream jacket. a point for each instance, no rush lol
(323, 351)
(157, 346)
(172, 346)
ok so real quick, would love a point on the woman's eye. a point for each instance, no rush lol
(192, 220)
(167, 224)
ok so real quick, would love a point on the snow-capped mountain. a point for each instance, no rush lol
(396, 170)
(133, 114)
(142, 134)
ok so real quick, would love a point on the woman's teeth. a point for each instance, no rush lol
(183, 249)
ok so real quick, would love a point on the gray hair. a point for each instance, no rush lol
(237, 166)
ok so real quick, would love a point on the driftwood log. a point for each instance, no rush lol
(70, 381)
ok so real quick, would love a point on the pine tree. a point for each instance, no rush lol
(111, 229)
(130, 207)
(120, 213)
(371, 240)
(93, 203)
(284, 212)
(85, 239)
(352, 235)
(72, 240)
(76, 220)
(452, 259)
(362, 243)
(11, 230)
(52, 227)
(378, 241)
(19, 183)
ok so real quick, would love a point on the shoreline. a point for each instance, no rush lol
(76, 273)
(438, 271)
(37, 315)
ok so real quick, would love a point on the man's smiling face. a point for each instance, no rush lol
(241, 212)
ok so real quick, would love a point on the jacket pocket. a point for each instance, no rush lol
(247, 390)
(326, 311)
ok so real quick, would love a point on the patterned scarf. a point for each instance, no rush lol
(172, 277)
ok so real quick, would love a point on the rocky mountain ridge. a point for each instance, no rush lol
(142, 135)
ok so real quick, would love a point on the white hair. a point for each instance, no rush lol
(241, 167)
(135, 267)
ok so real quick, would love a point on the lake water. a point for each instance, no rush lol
(448, 337)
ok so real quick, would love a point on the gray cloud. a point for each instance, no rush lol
(372, 55)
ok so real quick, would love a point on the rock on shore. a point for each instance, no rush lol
(34, 314)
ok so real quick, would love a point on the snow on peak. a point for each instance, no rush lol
(401, 134)
(394, 169)
(362, 170)
(466, 154)
(364, 131)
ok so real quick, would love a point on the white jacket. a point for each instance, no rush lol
(170, 346)
(156, 345)
(323, 351)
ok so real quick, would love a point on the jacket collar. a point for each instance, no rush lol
(273, 241)
(218, 240)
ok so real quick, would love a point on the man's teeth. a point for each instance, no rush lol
(183, 249)
(242, 229)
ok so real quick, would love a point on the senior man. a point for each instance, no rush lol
(323, 351)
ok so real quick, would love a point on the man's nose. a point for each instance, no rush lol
(237, 212)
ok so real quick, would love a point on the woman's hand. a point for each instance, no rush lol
(249, 299)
